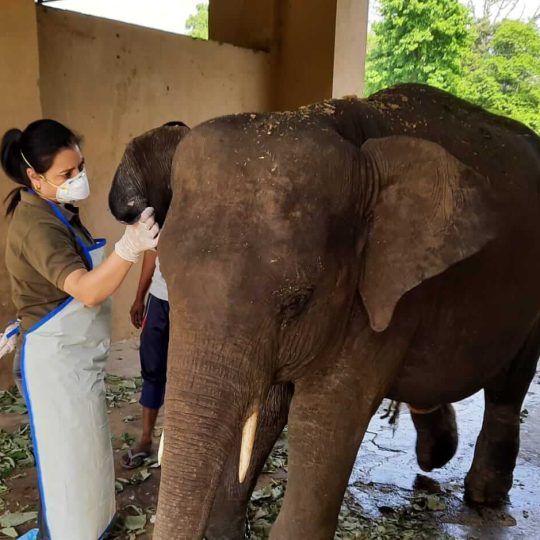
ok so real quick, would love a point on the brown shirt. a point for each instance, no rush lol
(40, 253)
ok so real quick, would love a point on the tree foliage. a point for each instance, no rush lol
(419, 41)
(489, 60)
(503, 74)
(197, 24)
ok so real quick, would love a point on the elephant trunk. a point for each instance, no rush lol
(212, 392)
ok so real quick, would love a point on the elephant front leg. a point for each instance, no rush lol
(329, 414)
(491, 475)
(228, 516)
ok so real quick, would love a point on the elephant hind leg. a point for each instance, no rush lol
(491, 475)
(436, 436)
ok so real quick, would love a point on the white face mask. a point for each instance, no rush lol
(73, 190)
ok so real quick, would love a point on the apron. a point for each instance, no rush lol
(63, 371)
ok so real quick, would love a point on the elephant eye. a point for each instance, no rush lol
(293, 303)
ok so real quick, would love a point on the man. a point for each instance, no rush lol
(153, 318)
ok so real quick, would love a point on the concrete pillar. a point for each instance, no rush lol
(19, 105)
(245, 24)
(304, 53)
(318, 46)
(350, 47)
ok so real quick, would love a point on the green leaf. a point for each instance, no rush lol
(141, 476)
(434, 503)
(197, 24)
(135, 523)
(16, 518)
(10, 532)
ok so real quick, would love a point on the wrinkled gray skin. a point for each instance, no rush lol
(143, 179)
(356, 249)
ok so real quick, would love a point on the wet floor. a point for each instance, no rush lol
(386, 477)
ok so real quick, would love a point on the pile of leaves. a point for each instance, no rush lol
(132, 522)
(10, 520)
(12, 402)
(15, 451)
(121, 389)
(411, 522)
(276, 460)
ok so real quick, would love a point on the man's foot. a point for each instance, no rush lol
(134, 458)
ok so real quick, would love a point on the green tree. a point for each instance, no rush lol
(197, 24)
(424, 41)
(503, 74)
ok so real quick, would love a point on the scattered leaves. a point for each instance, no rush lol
(140, 476)
(135, 523)
(121, 389)
(127, 439)
(9, 532)
(12, 402)
(14, 519)
(15, 451)
(276, 460)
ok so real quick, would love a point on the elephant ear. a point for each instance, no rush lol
(431, 212)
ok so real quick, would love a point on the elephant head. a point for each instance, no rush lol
(280, 228)
(143, 177)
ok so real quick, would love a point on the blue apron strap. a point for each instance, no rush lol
(64, 220)
(58, 213)
(16, 331)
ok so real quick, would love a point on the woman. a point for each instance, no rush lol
(60, 283)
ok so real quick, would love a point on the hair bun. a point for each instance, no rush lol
(10, 153)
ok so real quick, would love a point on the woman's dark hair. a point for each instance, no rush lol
(38, 143)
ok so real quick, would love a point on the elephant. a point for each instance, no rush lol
(322, 259)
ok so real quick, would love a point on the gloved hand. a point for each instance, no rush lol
(139, 237)
(8, 339)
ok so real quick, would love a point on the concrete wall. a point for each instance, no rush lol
(111, 81)
(19, 105)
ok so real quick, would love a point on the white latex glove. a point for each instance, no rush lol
(139, 237)
(8, 339)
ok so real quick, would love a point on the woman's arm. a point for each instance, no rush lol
(94, 286)
(137, 309)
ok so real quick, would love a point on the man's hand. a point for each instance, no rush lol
(137, 313)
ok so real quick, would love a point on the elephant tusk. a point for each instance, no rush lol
(160, 449)
(248, 439)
